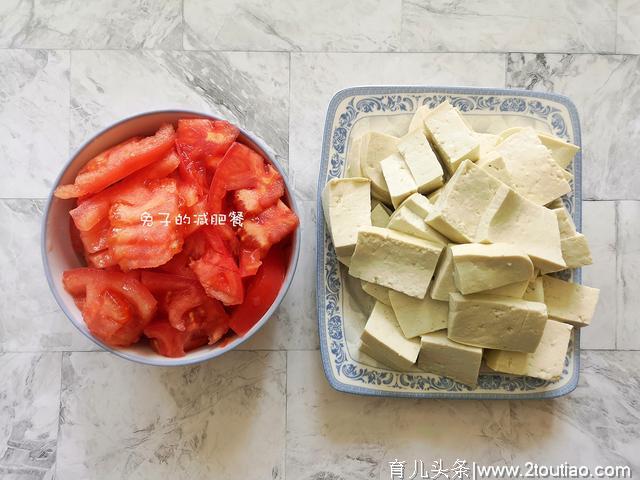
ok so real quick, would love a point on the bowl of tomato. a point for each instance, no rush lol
(170, 237)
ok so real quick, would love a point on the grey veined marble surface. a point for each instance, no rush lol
(70, 67)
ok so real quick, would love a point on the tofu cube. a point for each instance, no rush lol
(479, 267)
(513, 219)
(443, 282)
(462, 203)
(568, 302)
(442, 356)
(409, 218)
(418, 316)
(514, 290)
(347, 205)
(380, 215)
(399, 180)
(421, 160)
(374, 148)
(534, 291)
(376, 291)
(575, 251)
(394, 260)
(494, 165)
(501, 323)
(353, 158)
(546, 363)
(534, 173)
(385, 342)
(451, 136)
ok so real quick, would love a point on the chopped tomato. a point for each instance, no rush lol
(240, 168)
(97, 238)
(252, 201)
(268, 228)
(116, 306)
(220, 277)
(101, 259)
(165, 339)
(135, 244)
(205, 140)
(111, 166)
(261, 292)
(92, 209)
(249, 262)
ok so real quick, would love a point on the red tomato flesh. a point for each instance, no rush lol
(262, 291)
(111, 166)
(91, 210)
(205, 140)
(268, 228)
(269, 188)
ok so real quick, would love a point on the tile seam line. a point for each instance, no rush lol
(344, 52)
(55, 467)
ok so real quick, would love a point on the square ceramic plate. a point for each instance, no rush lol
(343, 307)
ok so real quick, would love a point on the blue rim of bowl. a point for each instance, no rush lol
(214, 352)
(338, 97)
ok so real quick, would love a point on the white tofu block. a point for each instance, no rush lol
(374, 148)
(409, 218)
(443, 283)
(513, 219)
(487, 142)
(565, 222)
(534, 173)
(464, 199)
(575, 251)
(380, 216)
(569, 302)
(376, 291)
(347, 208)
(547, 362)
(353, 158)
(421, 160)
(385, 341)
(534, 291)
(479, 267)
(562, 152)
(442, 356)
(417, 121)
(494, 165)
(514, 290)
(451, 136)
(399, 180)
(345, 260)
(433, 196)
(502, 323)
(394, 260)
(418, 316)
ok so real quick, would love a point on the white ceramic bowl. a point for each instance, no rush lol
(58, 254)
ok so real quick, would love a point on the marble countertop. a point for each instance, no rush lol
(69, 68)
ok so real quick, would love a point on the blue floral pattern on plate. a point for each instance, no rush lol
(348, 106)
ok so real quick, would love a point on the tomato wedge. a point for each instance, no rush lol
(268, 228)
(240, 168)
(135, 244)
(261, 292)
(115, 164)
(220, 277)
(97, 238)
(205, 140)
(116, 306)
(91, 210)
(269, 188)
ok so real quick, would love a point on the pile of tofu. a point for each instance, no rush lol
(454, 233)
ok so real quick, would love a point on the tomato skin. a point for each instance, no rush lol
(205, 140)
(249, 262)
(262, 290)
(111, 166)
(92, 209)
(239, 169)
(268, 228)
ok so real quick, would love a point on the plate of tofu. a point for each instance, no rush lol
(450, 252)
